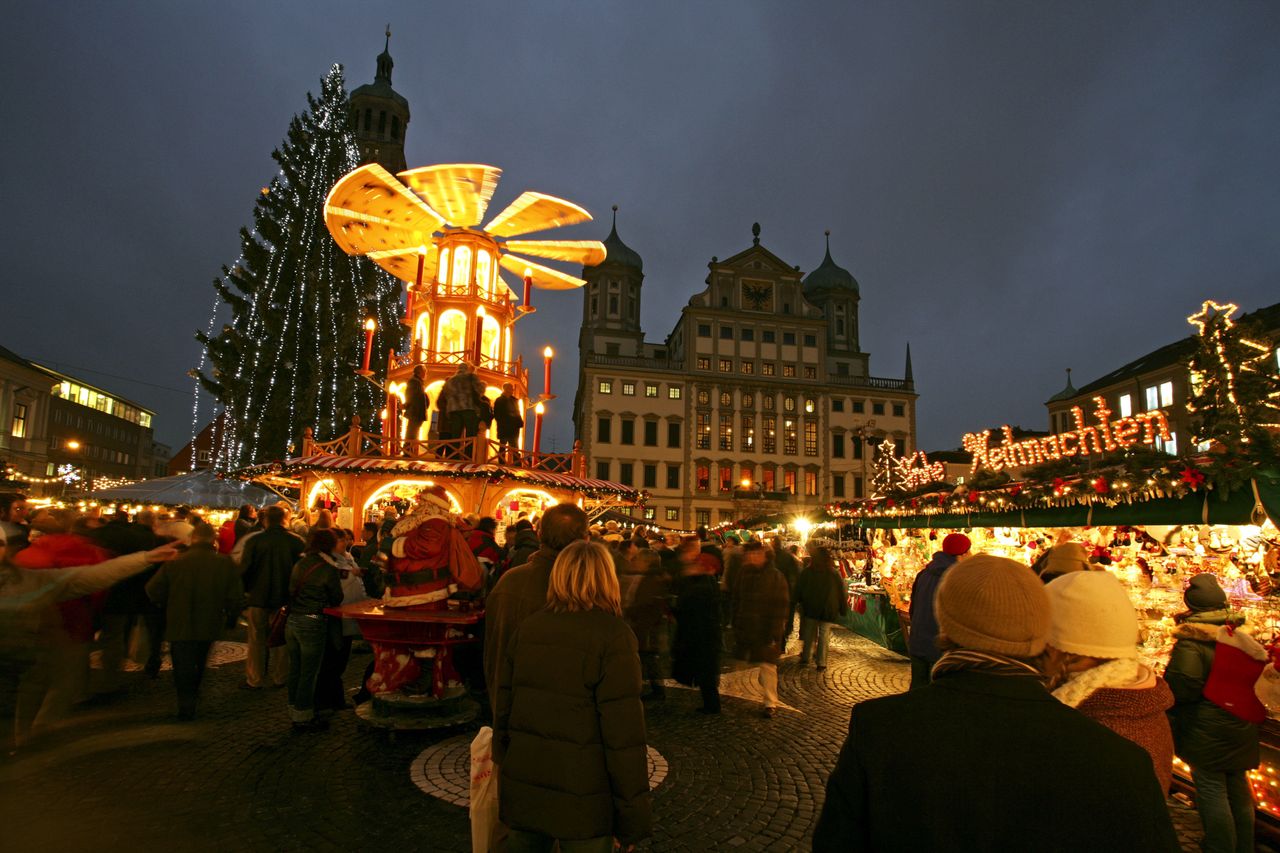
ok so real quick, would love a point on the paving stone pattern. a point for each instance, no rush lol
(124, 775)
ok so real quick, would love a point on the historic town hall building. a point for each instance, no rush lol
(760, 400)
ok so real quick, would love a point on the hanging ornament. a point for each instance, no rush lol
(1059, 486)
(973, 497)
(1101, 486)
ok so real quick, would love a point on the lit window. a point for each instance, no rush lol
(673, 392)
(704, 397)
(703, 516)
(1166, 394)
(704, 478)
(628, 389)
(768, 368)
(1152, 394)
(748, 367)
(673, 513)
(748, 401)
(1126, 405)
(811, 483)
(789, 482)
(810, 405)
(726, 478)
(788, 404)
(704, 431)
(650, 513)
(810, 437)
(788, 370)
(483, 271)
(726, 365)
(650, 390)
(770, 427)
(19, 428)
(704, 362)
(768, 402)
(790, 437)
(810, 372)
(1170, 446)
(726, 400)
(726, 432)
(767, 481)
(606, 386)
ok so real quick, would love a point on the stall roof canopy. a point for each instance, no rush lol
(197, 489)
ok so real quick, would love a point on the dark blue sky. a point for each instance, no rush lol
(1018, 187)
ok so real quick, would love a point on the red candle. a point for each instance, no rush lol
(528, 287)
(369, 326)
(546, 371)
(537, 429)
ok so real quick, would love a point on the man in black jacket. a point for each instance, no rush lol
(980, 759)
(506, 411)
(415, 410)
(269, 557)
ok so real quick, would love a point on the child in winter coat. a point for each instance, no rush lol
(1212, 670)
(1093, 645)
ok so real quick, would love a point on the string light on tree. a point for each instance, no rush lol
(886, 475)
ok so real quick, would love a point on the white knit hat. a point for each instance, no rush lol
(1092, 615)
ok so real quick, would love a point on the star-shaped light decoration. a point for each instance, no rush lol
(1209, 310)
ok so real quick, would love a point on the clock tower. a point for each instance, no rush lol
(380, 117)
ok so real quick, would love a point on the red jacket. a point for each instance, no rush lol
(62, 551)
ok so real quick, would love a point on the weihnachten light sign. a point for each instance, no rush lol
(1084, 440)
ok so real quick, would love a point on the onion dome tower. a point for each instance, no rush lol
(611, 299)
(380, 116)
(834, 289)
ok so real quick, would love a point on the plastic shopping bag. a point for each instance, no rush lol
(484, 791)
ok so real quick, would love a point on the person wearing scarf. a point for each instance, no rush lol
(978, 759)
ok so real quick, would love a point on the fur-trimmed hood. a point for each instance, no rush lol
(1230, 635)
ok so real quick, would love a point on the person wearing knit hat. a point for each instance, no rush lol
(1093, 658)
(921, 639)
(988, 722)
(1062, 559)
(1212, 670)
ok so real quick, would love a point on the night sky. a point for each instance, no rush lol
(1018, 187)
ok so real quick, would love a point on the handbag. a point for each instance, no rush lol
(279, 619)
(484, 792)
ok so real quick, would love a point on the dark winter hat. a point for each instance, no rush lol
(1204, 593)
(956, 544)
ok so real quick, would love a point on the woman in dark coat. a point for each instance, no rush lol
(820, 595)
(313, 585)
(644, 605)
(568, 728)
(695, 654)
(761, 607)
(1220, 746)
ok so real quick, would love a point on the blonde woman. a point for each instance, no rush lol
(568, 731)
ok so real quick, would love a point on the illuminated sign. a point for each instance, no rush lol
(1084, 440)
(917, 471)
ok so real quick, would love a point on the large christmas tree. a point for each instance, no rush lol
(288, 357)
(1235, 392)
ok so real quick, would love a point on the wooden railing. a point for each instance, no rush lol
(455, 357)
(482, 449)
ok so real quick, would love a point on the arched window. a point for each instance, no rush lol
(484, 272)
(452, 332)
(368, 119)
(382, 122)
(395, 127)
(491, 338)
(442, 271)
(422, 334)
(461, 275)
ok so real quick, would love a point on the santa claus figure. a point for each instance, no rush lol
(430, 564)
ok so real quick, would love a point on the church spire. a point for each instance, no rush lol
(385, 63)
(909, 377)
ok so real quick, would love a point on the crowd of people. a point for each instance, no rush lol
(1026, 686)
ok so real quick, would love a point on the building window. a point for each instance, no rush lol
(810, 405)
(788, 404)
(859, 407)
(837, 485)
(748, 335)
(877, 408)
(899, 447)
(810, 340)
(604, 430)
(1170, 446)
(628, 389)
(856, 443)
(726, 432)
(837, 405)
(767, 481)
(650, 390)
(673, 392)
(770, 427)
(1126, 405)
(673, 513)
(626, 473)
(810, 437)
(704, 431)
(790, 436)
(628, 431)
(650, 433)
(704, 330)
(702, 516)
(748, 367)
(703, 478)
(789, 370)
(613, 304)
(726, 478)
(650, 476)
(789, 481)
(748, 401)
(811, 483)
(673, 435)
(726, 365)
(704, 362)
(789, 338)
(673, 476)
(1153, 397)
(837, 445)
(842, 368)
(810, 372)
(726, 400)
(767, 336)
(726, 333)
(19, 427)
(704, 397)
(1166, 394)
(602, 470)
(747, 440)
(857, 487)
(606, 386)
(768, 402)
(747, 474)
(899, 410)
(768, 369)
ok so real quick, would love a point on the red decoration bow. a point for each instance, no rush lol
(1058, 485)
(1193, 477)
(1101, 486)
(973, 497)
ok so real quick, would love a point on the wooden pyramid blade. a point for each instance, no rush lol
(544, 278)
(535, 212)
(460, 191)
(369, 210)
(403, 263)
(589, 253)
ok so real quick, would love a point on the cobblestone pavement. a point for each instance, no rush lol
(124, 775)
